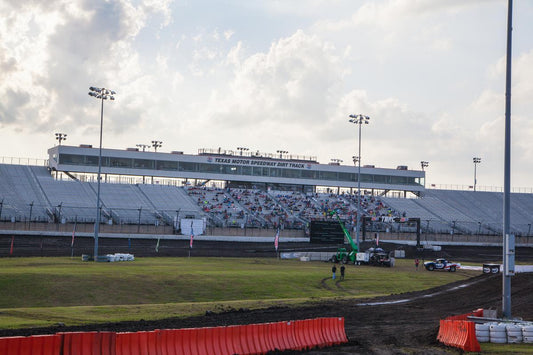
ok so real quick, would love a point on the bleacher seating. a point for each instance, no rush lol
(30, 191)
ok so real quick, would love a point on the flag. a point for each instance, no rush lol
(73, 234)
(11, 249)
(192, 235)
(276, 240)
(157, 246)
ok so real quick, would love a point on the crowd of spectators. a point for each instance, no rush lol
(255, 208)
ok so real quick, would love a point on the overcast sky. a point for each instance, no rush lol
(274, 75)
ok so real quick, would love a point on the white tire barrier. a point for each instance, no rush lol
(498, 334)
(482, 333)
(502, 333)
(482, 339)
(514, 333)
(498, 340)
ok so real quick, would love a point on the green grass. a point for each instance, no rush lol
(45, 291)
(504, 349)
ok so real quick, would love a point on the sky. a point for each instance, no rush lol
(275, 75)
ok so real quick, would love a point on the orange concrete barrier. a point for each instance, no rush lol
(139, 343)
(340, 334)
(32, 345)
(327, 331)
(245, 339)
(460, 334)
(80, 343)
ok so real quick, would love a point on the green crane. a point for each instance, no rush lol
(344, 255)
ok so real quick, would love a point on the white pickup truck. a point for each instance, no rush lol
(441, 264)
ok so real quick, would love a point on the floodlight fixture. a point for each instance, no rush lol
(61, 137)
(281, 152)
(156, 144)
(143, 146)
(242, 149)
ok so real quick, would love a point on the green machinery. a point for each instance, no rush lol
(343, 255)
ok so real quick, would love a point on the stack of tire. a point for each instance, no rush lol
(503, 333)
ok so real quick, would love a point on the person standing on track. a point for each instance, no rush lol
(342, 272)
(416, 263)
(333, 271)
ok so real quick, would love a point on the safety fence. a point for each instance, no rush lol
(459, 332)
(240, 339)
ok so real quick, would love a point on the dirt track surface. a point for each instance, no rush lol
(408, 326)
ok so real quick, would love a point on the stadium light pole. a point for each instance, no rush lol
(424, 164)
(61, 137)
(476, 162)
(358, 120)
(156, 144)
(100, 94)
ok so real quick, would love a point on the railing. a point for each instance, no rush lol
(24, 161)
(256, 154)
(527, 190)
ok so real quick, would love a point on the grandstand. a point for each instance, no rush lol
(40, 194)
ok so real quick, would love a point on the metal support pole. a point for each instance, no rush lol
(97, 223)
(358, 193)
(508, 257)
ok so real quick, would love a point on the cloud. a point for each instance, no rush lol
(295, 81)
(55, 51)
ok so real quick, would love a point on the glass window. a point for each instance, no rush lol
(91, 160)
(398, 180)
(246, 170)
(143, 164)
(328, 175)
(381, 179)
(291, 173)
(347, 177)
(366, 178)
(186, 166)
(71, 159)
(120, 162)
(230, 169)
(275, 172)
(209, 168)
(166, 165)
(309, 174)
(257, 171)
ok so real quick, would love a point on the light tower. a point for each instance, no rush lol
(359, 120)
(101, 94)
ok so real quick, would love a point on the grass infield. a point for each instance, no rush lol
(37, 292)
